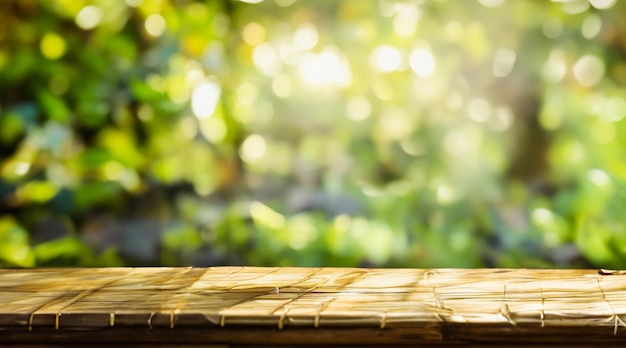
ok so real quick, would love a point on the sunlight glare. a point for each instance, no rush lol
(204, 98)
(422, 62)
(306, 37)
(386, 58)
(328, 67)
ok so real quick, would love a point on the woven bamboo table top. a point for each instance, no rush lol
(240, 305)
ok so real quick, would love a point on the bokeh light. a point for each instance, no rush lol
(204, 98)
(386, 58)
(588, 70)
(253, 149)
(89, 17)
(155, 25)
(52, 46)
(253, 34)
(602, 4)
(503, 62)
(327, 67)
(305, 37)
(422, 62)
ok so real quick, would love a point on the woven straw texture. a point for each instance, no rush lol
(286, 299)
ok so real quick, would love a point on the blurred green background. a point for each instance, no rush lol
(433, 133)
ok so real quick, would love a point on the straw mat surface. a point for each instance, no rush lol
(439, 305)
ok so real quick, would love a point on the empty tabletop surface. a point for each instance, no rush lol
(258, 306)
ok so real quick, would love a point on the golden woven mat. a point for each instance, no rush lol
(284, 299)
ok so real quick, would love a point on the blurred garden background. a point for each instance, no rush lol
(433, 133)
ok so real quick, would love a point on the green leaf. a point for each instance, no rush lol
(66, 248)
(94, 193)
(123, 46)
(36, 192)
(11, 127)
(53, 106)
(94, 157)
(142, 92)
(14, 247)
(180, 236)
(92, 114)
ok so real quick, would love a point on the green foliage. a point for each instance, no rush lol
(287, 132)
(14, 247)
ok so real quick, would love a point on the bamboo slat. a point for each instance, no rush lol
(252, 305)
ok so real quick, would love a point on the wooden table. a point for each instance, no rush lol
(239, 306)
